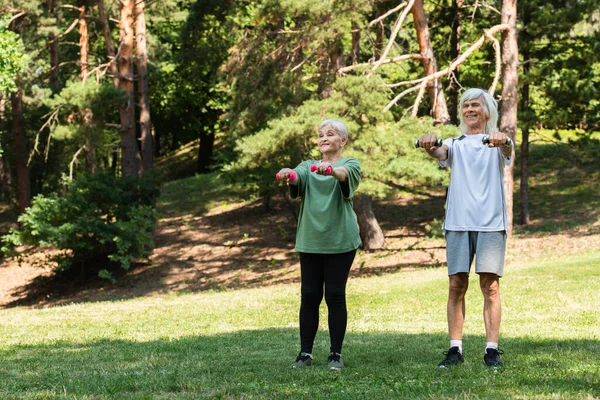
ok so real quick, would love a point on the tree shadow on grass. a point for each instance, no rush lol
(563, 188)
(240, 248)
(256, 364)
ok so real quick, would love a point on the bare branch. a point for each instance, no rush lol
(14, 17)
(384, 16)
(422, 83)
(389, 60)
(105, 66)
(69, 29)
(392, 39)
(419, 98)
(401, 95)
(496, 45)
(70, 7)
(302, 63)
(74, 161)
(53, 116)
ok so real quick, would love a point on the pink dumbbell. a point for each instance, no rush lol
(292, 176)
(314, 167)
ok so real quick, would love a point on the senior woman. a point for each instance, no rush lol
(326, 239)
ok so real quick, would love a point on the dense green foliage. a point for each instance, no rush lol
(12, 57)
(100, 217)
(221, 71)
(384, 147)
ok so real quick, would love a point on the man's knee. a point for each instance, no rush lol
(459, 283)
(490, 285)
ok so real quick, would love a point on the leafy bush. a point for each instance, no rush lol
(100, 218)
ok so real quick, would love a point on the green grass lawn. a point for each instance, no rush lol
(240, 344)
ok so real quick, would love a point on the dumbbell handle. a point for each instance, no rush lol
(486, 140)
(292, 176)
(438, 143)
(314, 167)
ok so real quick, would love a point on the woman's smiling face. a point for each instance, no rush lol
(330, 141)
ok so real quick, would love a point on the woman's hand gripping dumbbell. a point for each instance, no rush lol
(286, 174)
(328, 171)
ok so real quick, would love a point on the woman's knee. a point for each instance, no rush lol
(311, 296)
(333, 297)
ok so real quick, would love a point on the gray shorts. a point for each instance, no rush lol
(461, 248)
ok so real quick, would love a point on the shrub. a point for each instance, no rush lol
(101, 217)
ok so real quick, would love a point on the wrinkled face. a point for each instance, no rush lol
(330, 141)
(473, 114)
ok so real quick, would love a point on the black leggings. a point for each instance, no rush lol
(332, 271)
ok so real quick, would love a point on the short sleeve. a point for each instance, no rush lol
(507, 160)
(302, 170)
(353, 167)
(448, 161)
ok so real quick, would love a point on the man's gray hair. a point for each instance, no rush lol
(337, 126)
(490, 107)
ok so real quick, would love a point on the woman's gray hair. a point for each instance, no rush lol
(337, 126)
(490, 107)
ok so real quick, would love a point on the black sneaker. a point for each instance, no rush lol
(335, 361)
(492, 358)
(303, 360)
(453, 357)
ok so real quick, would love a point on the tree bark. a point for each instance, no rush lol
(525, 218)
(453, 88)
(370, 231)
(205, 152)
(110, 47)
(6, 189)
(510, 86)
(54, 61)
(130, 156)
(84, 41)
(84, 60)
(355, 43)
(143, 92)
(435, 90)
(379, 32)
(19, 136)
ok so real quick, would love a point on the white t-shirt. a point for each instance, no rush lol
(475, 200)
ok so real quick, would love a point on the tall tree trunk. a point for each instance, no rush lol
(54, 75)
(130, 156)
(434, 88)
(510, 86)
(143, 92)
(370, 231)
(205, 152)
(19, 136)
(355, 43)
(6, 188)
(84, 41)
(84, 61)
(457, 6)
(110, 47)
(379, 32)
(525, 105)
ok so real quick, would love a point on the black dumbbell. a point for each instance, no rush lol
(486, 140)
(438, 143)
